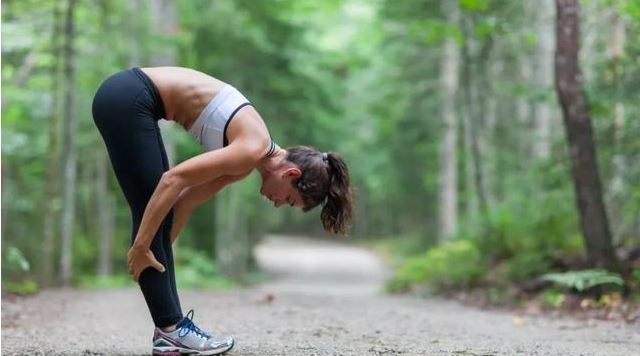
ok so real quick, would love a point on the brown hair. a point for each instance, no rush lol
(324, 179)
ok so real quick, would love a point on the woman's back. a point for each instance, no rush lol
(184, 92)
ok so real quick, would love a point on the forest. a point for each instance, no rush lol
(490, 143)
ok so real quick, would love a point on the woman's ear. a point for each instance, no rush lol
(293, 172)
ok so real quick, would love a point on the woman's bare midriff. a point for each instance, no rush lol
(184, 92)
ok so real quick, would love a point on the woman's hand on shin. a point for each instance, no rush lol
(139, 258)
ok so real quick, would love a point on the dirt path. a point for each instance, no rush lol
(326, 302)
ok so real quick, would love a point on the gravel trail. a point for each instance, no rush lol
(324, 299)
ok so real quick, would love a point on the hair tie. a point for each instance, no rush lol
(325, 157)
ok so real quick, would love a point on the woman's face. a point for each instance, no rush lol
(278, 187)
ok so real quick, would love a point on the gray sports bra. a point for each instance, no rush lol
(210, 127)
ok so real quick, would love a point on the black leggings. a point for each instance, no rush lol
(126, 110)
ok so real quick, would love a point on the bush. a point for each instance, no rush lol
(194, 269)
(528, 235)
(14, 262)
(535, 229)
(15, 272)
(453, 265)
(552, 298)
(527, 265)
(396, 249)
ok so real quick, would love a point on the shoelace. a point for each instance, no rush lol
(189, 326)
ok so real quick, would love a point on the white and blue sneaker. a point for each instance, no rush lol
(188, 339)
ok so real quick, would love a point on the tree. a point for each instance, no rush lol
(543, 67)
(69, 151)
(164, 22)
(474, 115)
(53, 170)
(616, 52)
(448, 171)
(584, 169)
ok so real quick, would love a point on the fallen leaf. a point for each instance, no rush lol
(518, 320)
(266, 298)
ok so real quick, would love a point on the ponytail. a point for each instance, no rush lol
(337, 212)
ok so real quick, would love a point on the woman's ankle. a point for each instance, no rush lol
(169, 328)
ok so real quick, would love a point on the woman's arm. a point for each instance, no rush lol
(191, 197)
(248, 137)
(235, 159)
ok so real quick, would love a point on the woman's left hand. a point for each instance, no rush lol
(139, 258)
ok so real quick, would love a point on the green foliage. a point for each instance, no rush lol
(195, 269)
(405, 245)
(85, 250)
(631, 8)
(455, 264)
(26, 286)
(359, 77)
(474, 5)
(527, 265)
(584, 280)
(520, 235)
(15, 272)
(542, 227)
(552, 297)
(14, 261)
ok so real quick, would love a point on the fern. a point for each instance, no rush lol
(14, 261)
(583, 280)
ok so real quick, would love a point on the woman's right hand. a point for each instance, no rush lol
(139, 258)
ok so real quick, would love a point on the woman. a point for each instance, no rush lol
(126, 110)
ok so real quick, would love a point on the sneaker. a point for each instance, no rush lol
(187, 338)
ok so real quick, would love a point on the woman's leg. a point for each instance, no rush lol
(166, 238)
(132, 137)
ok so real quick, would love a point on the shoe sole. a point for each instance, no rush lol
(180, 351)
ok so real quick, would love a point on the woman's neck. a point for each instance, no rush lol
(272, 163)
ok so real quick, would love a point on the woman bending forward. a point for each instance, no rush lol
(126, 110)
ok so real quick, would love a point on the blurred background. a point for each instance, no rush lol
(445, 111)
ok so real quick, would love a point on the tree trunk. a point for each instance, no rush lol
(486, 111)
(105, 215)
(69, 151)
(543, 67)
(49, 226)
(362, 223)
(469, 195)
(232, 242)
(448, 170)
(474, 115)
(493, 69)
(524, 110)
(103, 204)
(584, 169)
(136, 28)
(165, 22)
(4, 190)
(618, 185)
